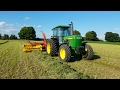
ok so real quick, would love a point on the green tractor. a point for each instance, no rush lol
(64, 44)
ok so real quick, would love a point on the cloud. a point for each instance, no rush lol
(102, 37)
(26, 18)
(24, 25)
(13, 28)
(17, 24)
(9, 31)
(116, 28)
(39, 26)
(27, 25)
(8, 28)
(10, 25)
(2, 23)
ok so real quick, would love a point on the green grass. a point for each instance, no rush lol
(103, 42)
(3, 41)
(105, 63)
(16, 64)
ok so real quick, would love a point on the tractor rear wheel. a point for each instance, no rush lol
(64, 53)
(51, 47)
(88, 52)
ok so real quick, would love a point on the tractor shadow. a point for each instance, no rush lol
(75, 58)
(96, 57)
(79, 57)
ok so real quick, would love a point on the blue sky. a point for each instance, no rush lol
(99, 21)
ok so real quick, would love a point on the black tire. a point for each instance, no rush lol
(57, 46)
(53, 47)
(89, 54)
(67, 50)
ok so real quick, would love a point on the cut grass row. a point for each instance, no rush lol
(3, 41)
(105, 63)
(56, 69)
(38, 65)
(16, 64)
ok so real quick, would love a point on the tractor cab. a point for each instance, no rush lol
(62, 31)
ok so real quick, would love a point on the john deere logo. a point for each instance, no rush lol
(78, 38)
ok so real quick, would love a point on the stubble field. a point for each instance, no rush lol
(16, 64)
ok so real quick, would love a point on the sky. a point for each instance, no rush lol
(99, 21)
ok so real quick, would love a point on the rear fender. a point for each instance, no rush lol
(83, 43)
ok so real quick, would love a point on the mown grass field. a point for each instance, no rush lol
(105, 63)
(103, 42)
(3, 41)
(16, 64)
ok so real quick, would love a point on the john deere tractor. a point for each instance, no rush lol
(64, 44)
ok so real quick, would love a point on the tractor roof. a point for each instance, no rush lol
(61, 26)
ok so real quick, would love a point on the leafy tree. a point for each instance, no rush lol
(6, 36)
(0, 36)
(119, 39)
(31, 34)
(75, 32)
(27, 33)
(13, 36)
(116, 37)
(83, 38)
(91, 35)
(22, 33)
(111, 37)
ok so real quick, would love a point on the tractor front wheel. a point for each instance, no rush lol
(64, 53)
(88, 52)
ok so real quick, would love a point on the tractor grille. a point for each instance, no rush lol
(80, 49)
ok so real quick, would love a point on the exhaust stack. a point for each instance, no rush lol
(71, 28)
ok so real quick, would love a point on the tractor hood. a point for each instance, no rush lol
(72, 37)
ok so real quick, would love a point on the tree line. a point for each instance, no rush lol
(30, 34)
(92, 36)
(6, 37)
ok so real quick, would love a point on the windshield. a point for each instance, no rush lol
(55, 32)
(66, 32)
(61, 32)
